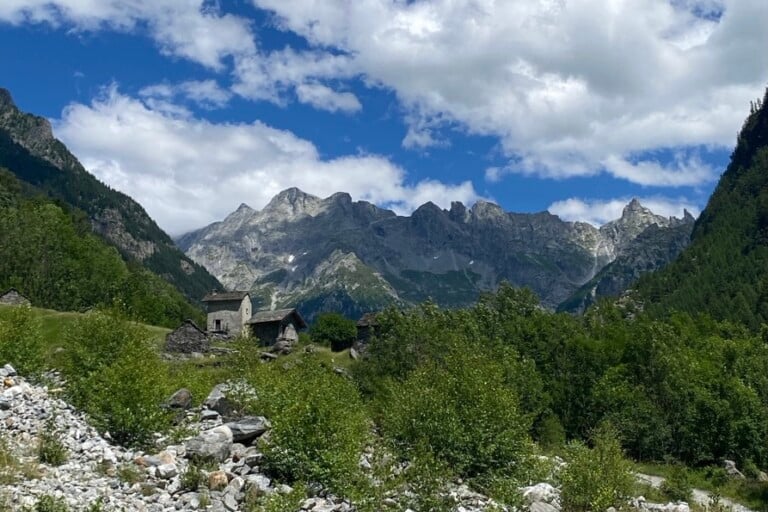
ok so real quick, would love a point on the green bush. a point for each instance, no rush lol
(319, 424)
(116, 376)
(334, 330)
(48, 503)
(462, 409)
(50, 449)
(597, 478)
(21, 341)
(677, 485)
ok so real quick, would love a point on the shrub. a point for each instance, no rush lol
(49, 503)
(677, 485)
(50, 449)
(21, 342)
(116, 376)
(334, 330)
(596, 478)
(319, 425)
(464, 411)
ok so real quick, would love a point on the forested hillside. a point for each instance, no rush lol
(49, 253)
(29, 151)
(724, 271)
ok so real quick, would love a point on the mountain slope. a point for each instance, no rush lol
(451, 256)
(29, 150)
(724, 271)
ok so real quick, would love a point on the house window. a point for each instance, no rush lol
(217, 325)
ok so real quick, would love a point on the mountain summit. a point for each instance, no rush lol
(335, 253)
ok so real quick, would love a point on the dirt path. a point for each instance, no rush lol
(699, 496)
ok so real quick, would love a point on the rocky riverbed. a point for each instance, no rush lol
(97, 475)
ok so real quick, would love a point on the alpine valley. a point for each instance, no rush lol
(335, 254)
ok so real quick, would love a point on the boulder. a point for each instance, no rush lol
(217, 400)
(182, 399)
(212, 445)
(248, 428)
(732, 471)
(282, 347)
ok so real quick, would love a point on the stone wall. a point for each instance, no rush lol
(14, 298)
(232, 315)
(187, 339)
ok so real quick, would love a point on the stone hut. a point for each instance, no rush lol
(12, 297)
(367, 327)
(228, 312)
(269, 327)
(187, 338)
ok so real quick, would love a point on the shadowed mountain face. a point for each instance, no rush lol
(348, 256)
(29, 150)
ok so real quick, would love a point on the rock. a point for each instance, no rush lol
(217, 400)
(267, 356)
(230, 502)
(166, 471)
(217, 480)
(5, 404)
(181, 399)
(732, 471)
(542, 506)
(248, 428)
(282, 347)
(235, 486)
(212, 445)
(541, 492)
(354, 354)
(762, 476)
(259, 484)
(208, 415)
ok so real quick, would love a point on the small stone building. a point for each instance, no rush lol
(269, 327)
(228, 312)
(12, 297)
(187, 338)
(367, 327)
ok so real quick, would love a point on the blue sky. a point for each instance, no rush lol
(193, 107)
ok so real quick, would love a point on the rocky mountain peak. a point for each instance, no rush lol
(6, 100)
(486, 210)
(293, 202)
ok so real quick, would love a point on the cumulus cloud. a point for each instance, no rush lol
(569, 88)
(192, 29)
(188, 172)
(325, 98)
(599, 211)
(205, 93)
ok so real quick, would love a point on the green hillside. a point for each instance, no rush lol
(50, 254)
(29, 151)
(724, 272)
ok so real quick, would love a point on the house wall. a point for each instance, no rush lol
(186, 339)
(266, 333)
(269, 332)
(233, 315)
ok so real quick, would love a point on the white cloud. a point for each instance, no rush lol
(325, 98)
(188, 172)
(599, 211)
(205, 93)
(191, 29)
(569, 88)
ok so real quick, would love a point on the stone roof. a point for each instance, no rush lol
(189, 322)
(225, 296)
(277, 315)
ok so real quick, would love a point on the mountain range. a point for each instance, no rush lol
(352, 256)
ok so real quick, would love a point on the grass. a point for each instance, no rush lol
(12, 468)
(749, 493)
(54, 323)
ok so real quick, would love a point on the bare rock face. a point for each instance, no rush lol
(353, 257)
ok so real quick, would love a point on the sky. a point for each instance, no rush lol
(193, 107)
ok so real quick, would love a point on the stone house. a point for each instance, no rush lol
(269, 327)
(187, 338)
(12, 297)
(367, 327)
(228, 312)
